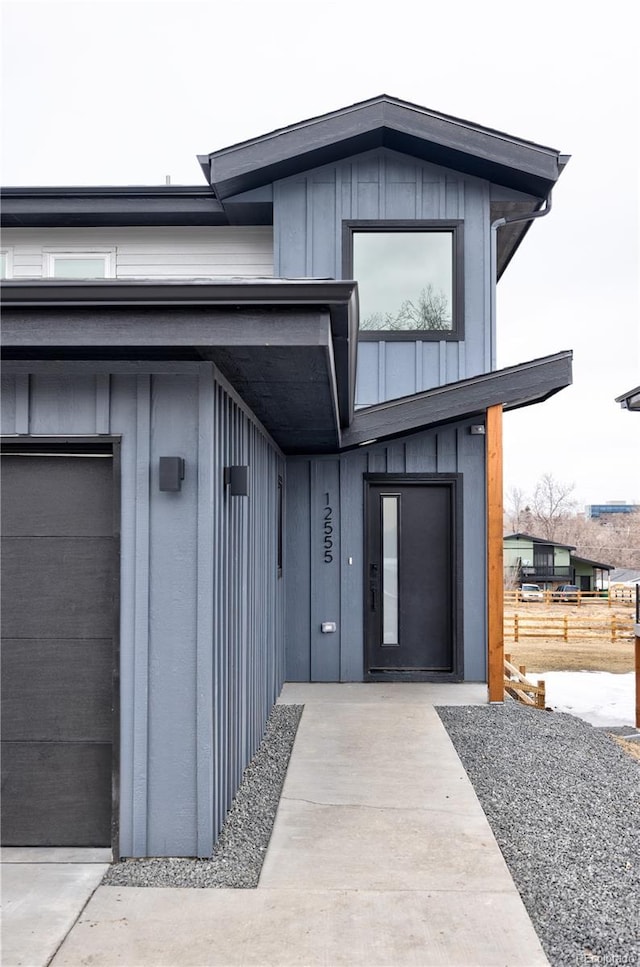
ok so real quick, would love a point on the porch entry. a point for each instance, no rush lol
(410, 588)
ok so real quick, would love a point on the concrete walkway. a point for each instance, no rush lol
(380, 855)
(43, 891)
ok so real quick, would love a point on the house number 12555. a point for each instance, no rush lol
(327, 531)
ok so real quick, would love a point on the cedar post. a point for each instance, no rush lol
(495, 565)
(637, 679)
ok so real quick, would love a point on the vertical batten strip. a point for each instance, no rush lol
(141, 621)
(495, 573)
(204, 615)
(23, 386)
(103, 402)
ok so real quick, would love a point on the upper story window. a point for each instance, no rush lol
(80, 264)
(6, 263)
(409, 276)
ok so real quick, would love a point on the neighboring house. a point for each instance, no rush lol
(535, 560)
(252, 433)
(590, 575)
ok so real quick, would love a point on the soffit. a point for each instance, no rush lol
(513, 387)
(287, 348)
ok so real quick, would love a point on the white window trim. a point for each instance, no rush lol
(8, 253)
(71, 252)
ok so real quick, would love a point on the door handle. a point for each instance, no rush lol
(373, 585)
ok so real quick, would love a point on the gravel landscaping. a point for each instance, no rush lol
(563, 800)
(239, 853)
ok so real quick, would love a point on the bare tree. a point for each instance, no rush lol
(430, 312)
(517, 511)
(552, 502)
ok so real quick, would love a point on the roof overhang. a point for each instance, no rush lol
(513, 387)
(288, 348)
(384, 121)
(538, 540)
(25, 207)
(630, 400)
(596, 564)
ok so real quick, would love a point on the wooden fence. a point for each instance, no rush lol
(567, 627)
(624, 596)
(519, 687)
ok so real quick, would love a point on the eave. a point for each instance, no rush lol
(384, 121)
(538, 540)
(630, 400)
(514, 387)
(596, 564)
(289, 348)
(61, 207)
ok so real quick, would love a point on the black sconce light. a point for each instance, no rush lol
(237, 480)
(171, 473)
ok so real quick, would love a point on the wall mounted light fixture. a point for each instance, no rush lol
(237, 480)
(171, 473)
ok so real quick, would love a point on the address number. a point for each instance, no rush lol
(327, 531)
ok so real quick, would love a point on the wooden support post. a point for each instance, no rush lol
(495, 564)
(638, 681)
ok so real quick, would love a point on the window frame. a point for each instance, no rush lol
(7, 251)
(68, 253)
(454, 226)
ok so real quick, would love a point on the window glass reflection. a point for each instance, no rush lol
(405, 280)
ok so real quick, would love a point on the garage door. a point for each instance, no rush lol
(58, 569)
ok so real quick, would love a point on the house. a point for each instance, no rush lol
(537, 560)
(252, 432)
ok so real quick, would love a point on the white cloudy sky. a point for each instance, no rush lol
(111, 92)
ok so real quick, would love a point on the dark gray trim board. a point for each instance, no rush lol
(39, 207)
(86, 446)
(630, 400)
(384, 121)
(455, 226)
(513, 387)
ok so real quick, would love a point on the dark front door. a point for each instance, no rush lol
(58, 569)
(410, 604)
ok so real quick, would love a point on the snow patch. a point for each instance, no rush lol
(601, 698)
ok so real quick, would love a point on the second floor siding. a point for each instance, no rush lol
(149, 253)
(309, 211)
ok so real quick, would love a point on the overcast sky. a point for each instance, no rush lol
(111, 92)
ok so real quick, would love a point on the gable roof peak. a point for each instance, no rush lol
(384, 121)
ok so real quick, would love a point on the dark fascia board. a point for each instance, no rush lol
(60, 207)
(539, 540)
(630, 400)
(585, 560)
(339, 297)
(389, 122)
(513, 387)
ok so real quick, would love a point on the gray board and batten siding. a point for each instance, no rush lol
(201, 600)
(309, 210)
(321, 489)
